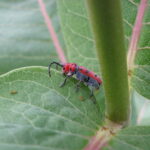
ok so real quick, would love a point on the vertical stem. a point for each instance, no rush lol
(106, 21)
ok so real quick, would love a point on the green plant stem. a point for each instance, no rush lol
(106, 21)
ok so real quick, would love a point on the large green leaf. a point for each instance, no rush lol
(24, 35)
(80, 43)
(132, 138)
(36, 114)
(77, 34)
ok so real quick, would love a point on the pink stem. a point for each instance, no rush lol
(136, 33)
(96, 144)
(100, 140)
(52, 32)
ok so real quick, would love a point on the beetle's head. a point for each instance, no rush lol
(69, 68)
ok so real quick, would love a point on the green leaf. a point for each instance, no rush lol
(141, 80)
(80, 43)
(132, 138)
(129, 12)
(25, 39)
(77, 34)
(36, 114)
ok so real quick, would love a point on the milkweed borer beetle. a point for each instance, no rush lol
(89, 78)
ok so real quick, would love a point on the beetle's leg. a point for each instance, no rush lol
(62, 84)
(92, 96)
(78, 85)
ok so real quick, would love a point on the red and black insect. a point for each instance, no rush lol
(89, 78)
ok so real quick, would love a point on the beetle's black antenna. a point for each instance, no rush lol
(49, 67)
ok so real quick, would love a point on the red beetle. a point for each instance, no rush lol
(82, 74)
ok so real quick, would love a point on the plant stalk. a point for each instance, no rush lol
(107, 26)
